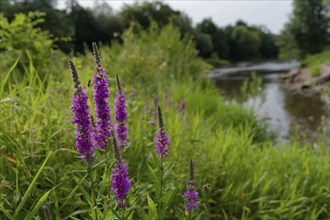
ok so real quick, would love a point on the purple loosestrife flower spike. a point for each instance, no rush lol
(120, 180)
(167, 100)
(81, 117)
(133, 93)
(97, 57)
(121, 116)
(154, 113)
(104, 125)
(161, 140)
(180, 107)
(191, 195)
(147, 108)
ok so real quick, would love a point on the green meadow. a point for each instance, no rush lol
(240, 173)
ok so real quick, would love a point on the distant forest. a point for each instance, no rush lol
(77, 26)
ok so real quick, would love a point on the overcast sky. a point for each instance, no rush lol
(271, 13)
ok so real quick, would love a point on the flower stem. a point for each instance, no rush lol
(161, 186)
(93, 189)
(123, 213)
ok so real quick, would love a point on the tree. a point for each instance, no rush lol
(309, 26)
(218, 37)
(147, 11)
(111, 26)
(287, 44)
(204, 44)
(268, 48)
(246, 43)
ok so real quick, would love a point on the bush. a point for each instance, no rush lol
(314, 62)
(22, 37)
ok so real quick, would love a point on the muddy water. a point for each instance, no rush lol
(284, 111)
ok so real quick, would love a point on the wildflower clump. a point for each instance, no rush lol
(81, 117)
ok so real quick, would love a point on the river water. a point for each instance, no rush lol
(285, 112)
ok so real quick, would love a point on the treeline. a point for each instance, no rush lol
(82, 26)
(308, 30)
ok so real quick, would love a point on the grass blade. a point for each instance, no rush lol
(5, 79)
(31, 186)
(38, 205)
(7, 214)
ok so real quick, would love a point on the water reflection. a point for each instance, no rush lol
(283, 110)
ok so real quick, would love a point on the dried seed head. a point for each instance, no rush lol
(97, 56)
(160, 119)
(75, 76)
(191, 175)
(118, 82)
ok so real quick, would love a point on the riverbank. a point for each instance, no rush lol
(312, 77)
(286, 112)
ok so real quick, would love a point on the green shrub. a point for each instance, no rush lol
(22, 37)
(314, 62)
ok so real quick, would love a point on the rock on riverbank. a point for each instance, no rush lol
(301, 79)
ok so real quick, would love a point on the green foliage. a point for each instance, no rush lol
(308, 30)
(22, 37)
(216, 62)
(204, 44)
(247, 42)
(287, 44)
(251, 87)
(100, 23)
(314, 62)
(239, 173)
(241, 42)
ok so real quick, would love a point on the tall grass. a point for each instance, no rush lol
(239, 173)
(314, 62)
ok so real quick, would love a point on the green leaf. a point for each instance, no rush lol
(4, 80)
(71, 216)
(7, 214)
(38, 205)
(81, 187)
(153, 173)
(69, 197)
(31, 187)
(152, 210)
(199, 216)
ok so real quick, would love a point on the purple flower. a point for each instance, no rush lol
(120, 180)
(121, 116)
(81, 117)
(162, 143)
(161, 140)
(133, 93)
(167, 100)
(191, 197)
(120, 183)
(181, 106)
(104, 128)
(147, 108)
